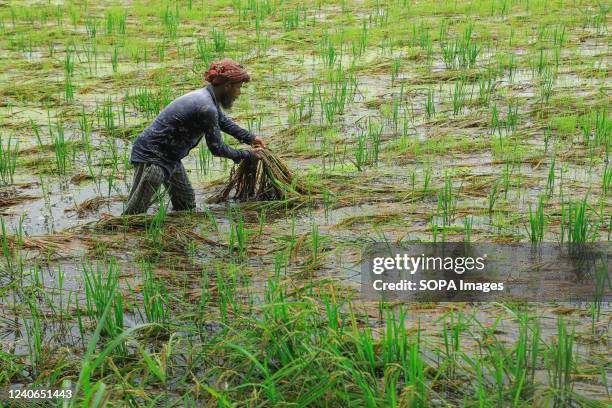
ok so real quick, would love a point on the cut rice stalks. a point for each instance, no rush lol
(268, 179)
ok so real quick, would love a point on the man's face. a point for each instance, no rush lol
(230, 94)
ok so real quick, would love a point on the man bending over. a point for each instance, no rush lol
(158, 150)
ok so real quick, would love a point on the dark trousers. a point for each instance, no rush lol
(146, 188)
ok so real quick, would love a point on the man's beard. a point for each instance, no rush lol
(226, 101)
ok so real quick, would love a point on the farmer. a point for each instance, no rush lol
(158, 150)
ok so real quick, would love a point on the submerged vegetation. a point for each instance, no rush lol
(394, 122)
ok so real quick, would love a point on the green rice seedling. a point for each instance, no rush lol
(315, 242)
(435, 229)
(60, 146)
(601, 276)
(155, 296)
(359, 46)
(449, 52)
(91, 26)
(110, 22)
(360, 151)
(154, 228)
(468, 223)
(606, 180)
(427, 173)
(462, 52)
(375, 131)
(447, 201)
(91, 56)
(550, 183)
(537, 222)
(19, 231)
(110, 178)
(35, 336)
(451, 331)
(329, 53)
(108, 115)
(559, 35)
(68, 89)
(469, 49)
(86, 127)
(7, 250)
(493, 195)
(395, 68)
(36, 130)
(204, 160)
(241, 236)
(603, 131)
(291, 18)
(494, 119)
(458, 95)
(115, 59)
(507, 172)
(68, 65)
(8, 160)
(512, 117)
(204, 53)
(575, 222)
(561, 366)
(542, 62)
(100, 293)
(121, 22)
(547, 136)
(546, 84)
(430, 108)
(171, 22)
(261, 217)
(219, 40)
(486, 84)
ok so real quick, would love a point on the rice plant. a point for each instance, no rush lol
(462, 51)
(561, 365)
(219, 40)
(606, 180)
(576, 224)
(315, 243)
(537, 222)
(459, 96)
(60, 145)
(430, 108)
(115, 59)
(447, 201)
(8, 160)
(155, 296)
(101, 292)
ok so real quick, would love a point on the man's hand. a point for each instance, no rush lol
(257, 153)
(258, 142)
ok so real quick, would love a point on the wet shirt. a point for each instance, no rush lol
(180, 127)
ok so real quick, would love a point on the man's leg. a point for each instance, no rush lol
(181, 192)
(138, 169)
(150, 179)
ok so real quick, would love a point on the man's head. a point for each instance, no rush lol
(227, 77)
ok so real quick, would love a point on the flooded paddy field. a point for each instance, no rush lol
(483, 121)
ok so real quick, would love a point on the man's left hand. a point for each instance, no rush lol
(258, 142)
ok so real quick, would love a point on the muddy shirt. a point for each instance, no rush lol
(180, 127)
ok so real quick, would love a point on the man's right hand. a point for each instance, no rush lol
(257, 153)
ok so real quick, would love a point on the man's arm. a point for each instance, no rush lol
(214, 141)
(228, 126)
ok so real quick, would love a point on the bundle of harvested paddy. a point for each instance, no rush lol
(268, 179)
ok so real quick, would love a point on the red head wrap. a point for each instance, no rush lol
(226, 70)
